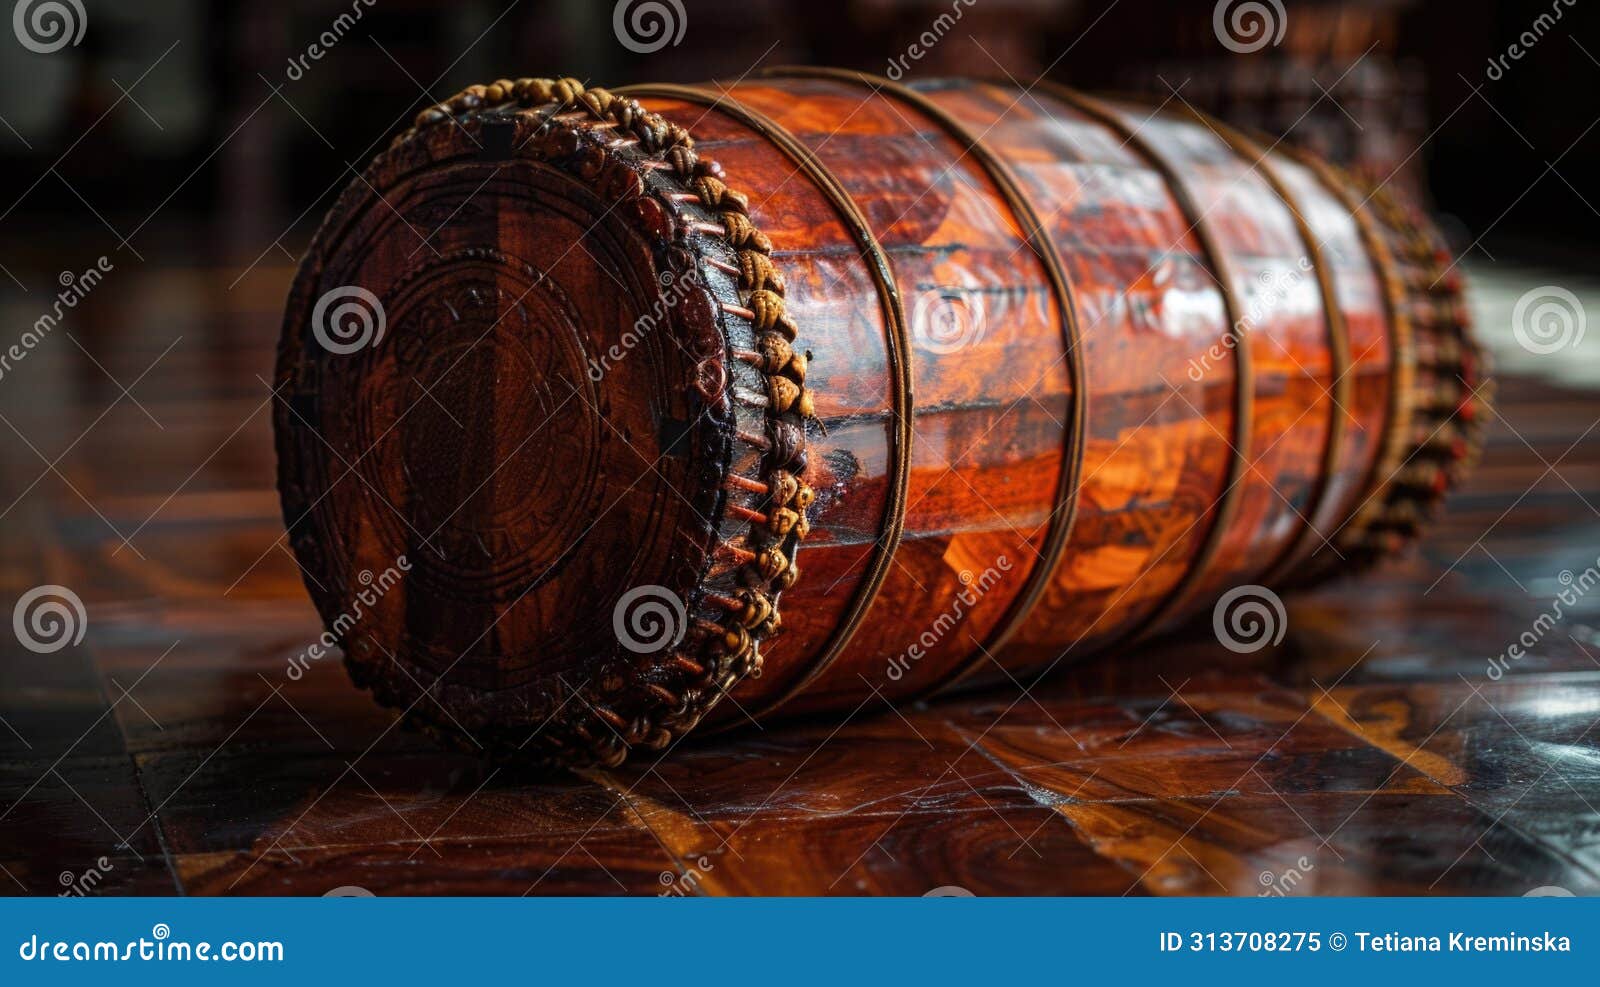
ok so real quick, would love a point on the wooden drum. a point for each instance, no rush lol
(599, 406)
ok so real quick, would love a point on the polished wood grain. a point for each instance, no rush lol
(1200, 470)
(173, 744)
(896, 407)
(442, 350)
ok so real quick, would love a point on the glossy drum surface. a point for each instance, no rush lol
(898, 388)
(1147, 257)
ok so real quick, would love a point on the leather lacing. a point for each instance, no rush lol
(898, 349)
(1443, 393)
(666, 699)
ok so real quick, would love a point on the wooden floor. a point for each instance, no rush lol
(170, 752)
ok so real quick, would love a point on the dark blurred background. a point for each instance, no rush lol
(186, 119)
(163, 164)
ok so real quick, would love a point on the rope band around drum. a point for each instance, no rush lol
(1402, 357)
(1441, 391)
(1064, 507)
(897, 346)
(1309, 539)
(1244, 394)
(671, 190)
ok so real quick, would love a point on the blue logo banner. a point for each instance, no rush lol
(936, 940)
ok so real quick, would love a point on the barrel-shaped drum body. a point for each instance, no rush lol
(1049, 372)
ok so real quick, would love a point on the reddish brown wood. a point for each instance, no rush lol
(534, 499)
(1174, 767)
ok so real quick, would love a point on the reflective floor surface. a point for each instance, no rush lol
(170, 751)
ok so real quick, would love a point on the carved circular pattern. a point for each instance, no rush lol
(493, 529)
(551, 221)
(526, 491)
